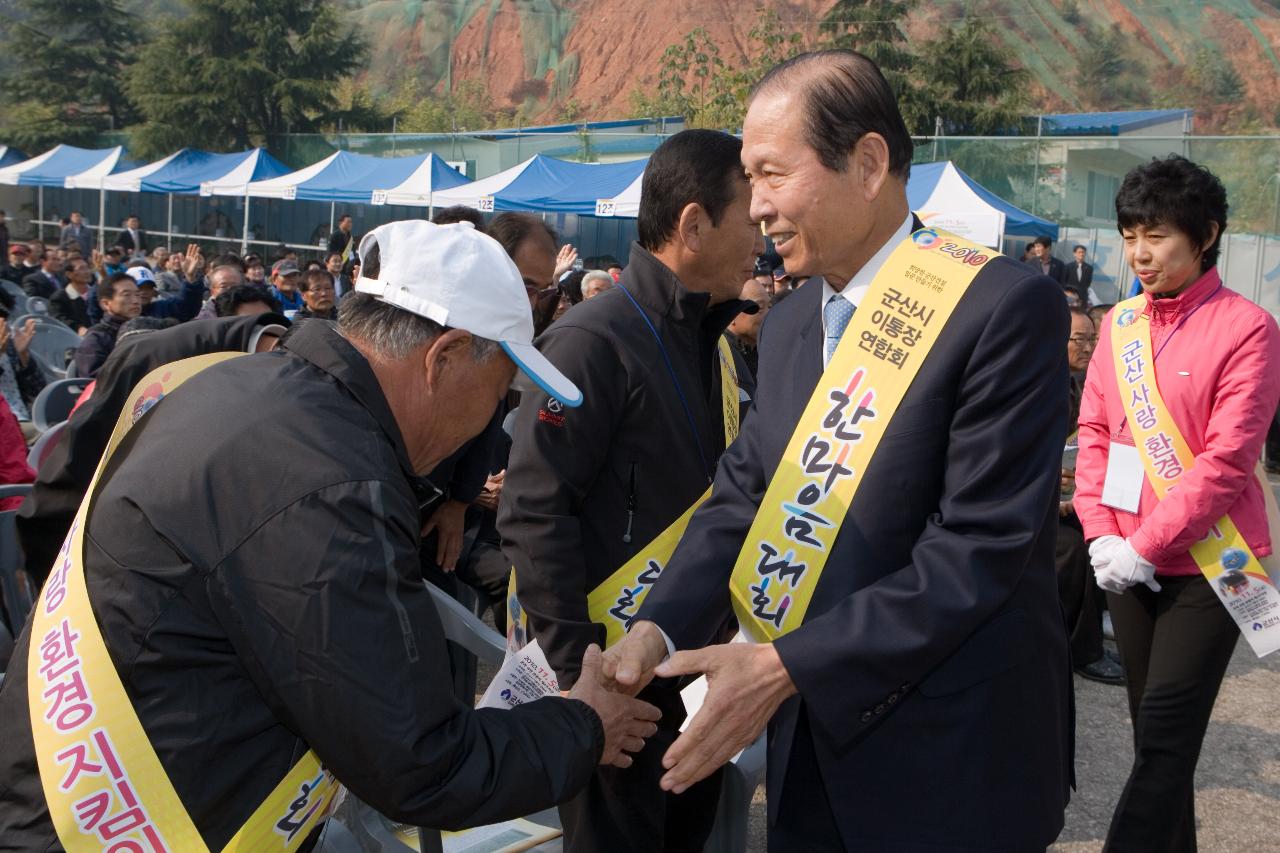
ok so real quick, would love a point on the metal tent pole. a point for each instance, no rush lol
(102, 216)
(168, 233)
(1035, 178)
(40, 213)
(244, 232)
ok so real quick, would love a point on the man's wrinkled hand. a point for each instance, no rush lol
(745, 685)
(627, 721)
(628, 665)
(491, 494)
(449, 522)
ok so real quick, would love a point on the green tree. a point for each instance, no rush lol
(230, 73)
(468, 106)
(68, 58)
(696, 82)
(1106, 76)
(1213, 79)
(874, 29)
(972, 83)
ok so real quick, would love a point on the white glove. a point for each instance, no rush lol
(1118, 566)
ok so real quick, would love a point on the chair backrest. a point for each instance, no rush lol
(17, 593)
(44, 445)
(53, 342)
(38, 305)
(53, 405)
(462, 627)
(18, 295)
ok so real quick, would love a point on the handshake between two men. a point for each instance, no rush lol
(745, 685)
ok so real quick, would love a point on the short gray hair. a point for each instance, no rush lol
(394, 332)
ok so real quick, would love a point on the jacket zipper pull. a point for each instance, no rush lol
(631, 505)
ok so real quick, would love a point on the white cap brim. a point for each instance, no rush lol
(543, 373)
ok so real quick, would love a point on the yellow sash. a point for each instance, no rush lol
(617, 598)
(879, 355)
(102, 779)
(1237, 577)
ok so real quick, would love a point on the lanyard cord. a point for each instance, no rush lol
(1178, 325)
(688, 413)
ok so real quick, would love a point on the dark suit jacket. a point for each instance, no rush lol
(934, 706)
(38, 284)
(73, 312)
(125, 240)
(1078, 281)
(1057, 271)
(338, 241)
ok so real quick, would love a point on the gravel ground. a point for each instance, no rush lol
(1237, 783)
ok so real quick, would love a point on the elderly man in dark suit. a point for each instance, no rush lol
(924, 702)
(1042, 259)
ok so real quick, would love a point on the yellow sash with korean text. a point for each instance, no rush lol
(102, 780)
(1225, 559)
(614, 602)
(878, 357)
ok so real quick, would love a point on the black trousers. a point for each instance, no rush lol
(1078, 591)
(624, 811)
(1175, 645)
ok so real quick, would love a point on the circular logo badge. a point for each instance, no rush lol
(554, 406)
(1126, 317)
(1234, 559)
(925, 238)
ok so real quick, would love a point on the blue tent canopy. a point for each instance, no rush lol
(354, 177)
(185, 173)
(926, 189)
(559, 186)
(54, 167)
(9, 156)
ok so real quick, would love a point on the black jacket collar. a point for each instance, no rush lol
(320, 343)
(657, 288)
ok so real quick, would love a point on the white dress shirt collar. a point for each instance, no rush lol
(72, 292)
(858, 286)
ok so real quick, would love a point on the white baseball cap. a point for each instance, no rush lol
(141, 276)
(460, 278)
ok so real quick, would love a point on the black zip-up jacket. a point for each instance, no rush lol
(46, 514)
(252, 558)
(586, 488)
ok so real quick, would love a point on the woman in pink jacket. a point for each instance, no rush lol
(1216, 363)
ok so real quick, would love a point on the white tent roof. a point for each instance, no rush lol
(953, 206)
(417, 189)
(128, 181)
(627, 202)
(285, 186)
(479, 194)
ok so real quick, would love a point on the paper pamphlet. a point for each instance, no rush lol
(525, 676)
(511, 836)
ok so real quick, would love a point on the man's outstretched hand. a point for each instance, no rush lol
(745, 685)
(627, 721)
(629, 663)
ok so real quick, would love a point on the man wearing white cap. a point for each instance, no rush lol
(262, 603)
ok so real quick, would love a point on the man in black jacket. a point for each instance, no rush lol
(1043, 261)
(1079, 275)
(923, 700)
(68, 306)
(342, 241)
(47, 280)
(132, 238)
(588, 488)
(46, 514)
(118, 299)
(262, 596)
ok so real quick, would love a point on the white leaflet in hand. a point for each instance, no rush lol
(524, 677)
